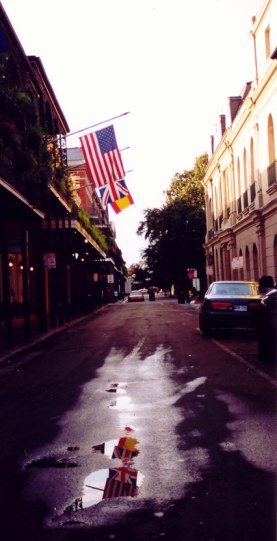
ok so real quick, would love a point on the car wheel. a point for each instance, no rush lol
(204, 328)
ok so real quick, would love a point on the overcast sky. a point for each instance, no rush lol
(171, 63)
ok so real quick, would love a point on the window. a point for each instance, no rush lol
(267, 42)
(271, 140)
(255, 262)
(252, 172)
(239, 209)
(245, 180)
(271, 170)
(252, 177)
(247, 263)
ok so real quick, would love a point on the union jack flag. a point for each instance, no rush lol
(102, 157)
(124, 475)
(113, 191)
(115, 488)
(124, 454)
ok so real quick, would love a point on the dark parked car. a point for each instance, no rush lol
(267, 328)
(135, 296)
(230, 304)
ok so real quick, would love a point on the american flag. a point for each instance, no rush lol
(102, 157)
(113, 191)
(115, 488)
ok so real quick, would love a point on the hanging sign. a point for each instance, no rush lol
(49, 260)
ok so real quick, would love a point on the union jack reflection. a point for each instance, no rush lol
(118, 480)
(121, 482)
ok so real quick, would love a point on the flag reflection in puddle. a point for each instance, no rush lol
(117, 481)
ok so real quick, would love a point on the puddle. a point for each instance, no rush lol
(122, 403)
(192, 385)
(51, 462)
(110, 483)
(113, 388)
(115, 481)
(105, 448)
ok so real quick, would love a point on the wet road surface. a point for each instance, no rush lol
(132, 425)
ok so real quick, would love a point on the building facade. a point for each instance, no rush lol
(51, 250)
(241, 177)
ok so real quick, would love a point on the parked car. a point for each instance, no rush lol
(135, 296)
(267, 328)
(230, 304)
(144, 290)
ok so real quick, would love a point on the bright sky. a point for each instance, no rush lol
(171, 63)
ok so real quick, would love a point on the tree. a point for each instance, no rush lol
(176, 232)
(139, 273)
(188, 185)
(176, 235)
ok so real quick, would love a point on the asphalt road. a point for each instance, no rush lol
(192, 423)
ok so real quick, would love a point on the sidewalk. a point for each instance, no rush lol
(21, 344)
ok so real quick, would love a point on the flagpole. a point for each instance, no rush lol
(97, 124)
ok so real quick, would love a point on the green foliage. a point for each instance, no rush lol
(140, 274)
(25, 160)
(96, 234)
(176, 232)
(188, 185)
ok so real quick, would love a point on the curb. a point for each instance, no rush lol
(44, 336)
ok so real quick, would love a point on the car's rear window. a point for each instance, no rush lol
(234, 289)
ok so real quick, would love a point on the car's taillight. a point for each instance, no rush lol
(254, 305)
(220, 305)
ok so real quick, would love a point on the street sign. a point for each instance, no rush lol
(49, 260)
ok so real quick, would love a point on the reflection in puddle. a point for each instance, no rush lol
(126, 449)
(109, 483)
(123, 402)
(114, 481)
(192, 385)
(51, 462)
(105, 448)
